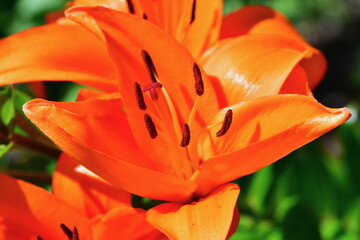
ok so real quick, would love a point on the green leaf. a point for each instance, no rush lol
(7, 113)
(300, 223)
(259, 189)
(4, 148)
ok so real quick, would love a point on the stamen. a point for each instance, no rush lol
(150, 126)
(226, 123)
(199, 84)
(145, 16)
(67, 231)
(75, 235)
(193, 12)
(39, 237)
(139, 96)
(149, 64)
(152, 90)
(185, 136)
(131, 6)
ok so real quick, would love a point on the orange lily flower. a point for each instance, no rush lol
(83, 206)
(63, 51)
(174, 133)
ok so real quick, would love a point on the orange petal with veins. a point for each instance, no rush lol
(209, 218)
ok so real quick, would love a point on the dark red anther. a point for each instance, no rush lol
(149, 64)
(130, 6)
(145, 16)
(152, 89)
(193, 10)
(71, 235)
(38, 237)
(226, 123)
(185, 136)
(67, 231)
(139, 96)
(75, 234)
(199, 84)
(150, 126)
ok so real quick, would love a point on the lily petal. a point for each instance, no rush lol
(56, 53)
(263, 131)
(258, 19)
(27, 211)
(204, 30)
(120, 5)
(82, 131)
(209, 218)
(133, 220)
(241, 21)
(87, 192)
(253, 66)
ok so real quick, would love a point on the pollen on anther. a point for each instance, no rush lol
(149, 64)
(199, 84)
(150, 126)
(185, 136)
(193, 10)
(226, 123)
(139, 96)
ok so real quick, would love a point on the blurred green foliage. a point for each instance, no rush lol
(311, 194)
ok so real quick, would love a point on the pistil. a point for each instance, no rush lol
(152, 90)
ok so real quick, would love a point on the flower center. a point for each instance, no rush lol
(165, 113)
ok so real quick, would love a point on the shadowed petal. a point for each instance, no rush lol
(84, 190)
(127, 223)
(209, 218)
(27, 211)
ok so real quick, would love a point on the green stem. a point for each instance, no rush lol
(30, 176)
(35, 146)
